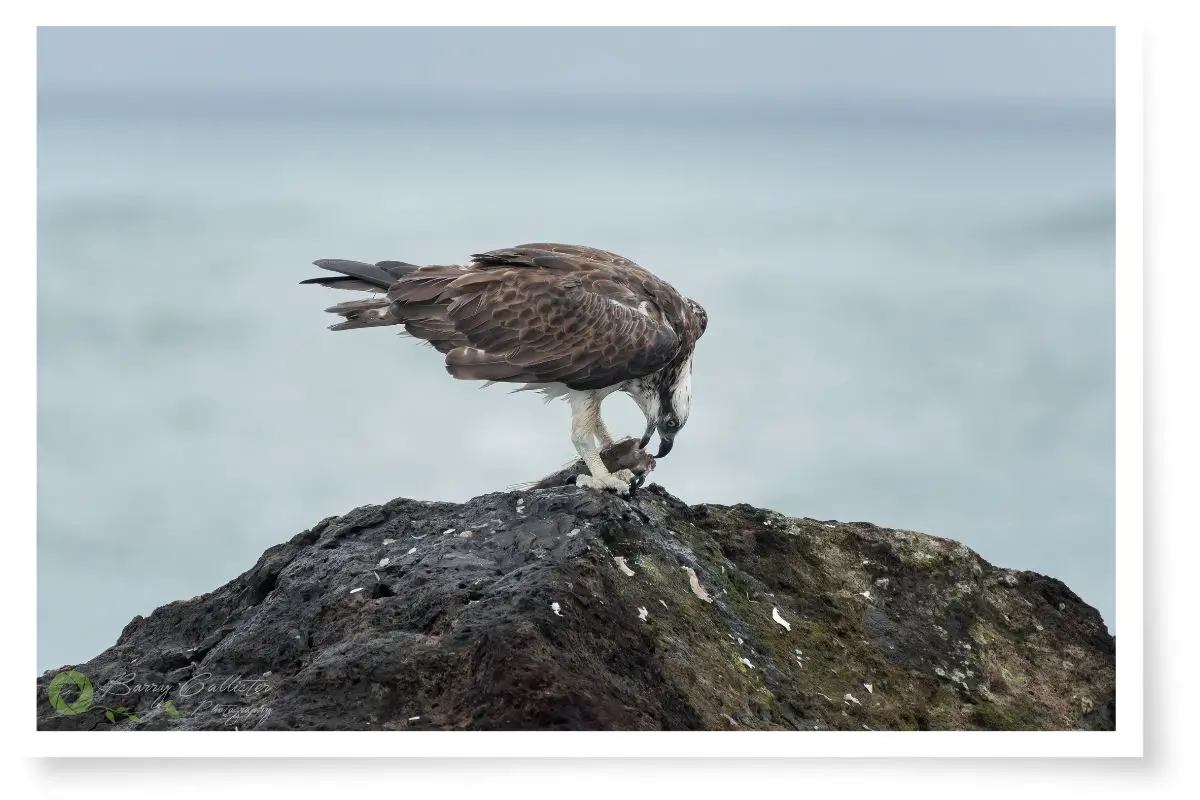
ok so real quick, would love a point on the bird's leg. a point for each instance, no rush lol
(585, 416)
(601, 430)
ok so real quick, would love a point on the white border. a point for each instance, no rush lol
(1127, 740)
(348, 13)
(1129, 349)
(613, 744)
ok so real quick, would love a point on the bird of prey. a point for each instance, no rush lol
(569, 321)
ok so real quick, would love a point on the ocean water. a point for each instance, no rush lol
(911, 323)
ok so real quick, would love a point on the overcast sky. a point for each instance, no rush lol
(812, 63)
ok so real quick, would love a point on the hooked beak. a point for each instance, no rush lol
(666, 439)
(665, 442)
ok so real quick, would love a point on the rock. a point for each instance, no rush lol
(379, 620)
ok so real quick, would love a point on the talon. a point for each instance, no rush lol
(606, 482)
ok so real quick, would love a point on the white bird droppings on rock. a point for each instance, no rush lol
(775, 616)
(697, 589)
(746, 661)
(448, 531)
(556, 608)
(573, 532)
(870, 689)
(410, 552)
(413, 719)
(388, 541)
(383, 562)
(664, 605)
(849, 698)
(465, 535)
(359, 589)
(866, 594)
(624, 567)
(643, 613)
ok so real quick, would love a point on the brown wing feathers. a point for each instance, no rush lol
(530, 314)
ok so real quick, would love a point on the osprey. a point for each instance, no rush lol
(566, 320)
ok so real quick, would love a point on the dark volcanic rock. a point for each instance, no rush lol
(512, 611)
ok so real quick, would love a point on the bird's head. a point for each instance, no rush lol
(666, 399)
(667, 403)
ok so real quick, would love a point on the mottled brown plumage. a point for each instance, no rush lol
(566, 319)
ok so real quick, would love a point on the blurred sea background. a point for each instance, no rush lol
(909, 282)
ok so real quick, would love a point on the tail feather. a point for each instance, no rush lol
(414, 299)
(344, 282)
(429, 285)
(363, 321)
(361, 276)
(353, 306)
(362, 314)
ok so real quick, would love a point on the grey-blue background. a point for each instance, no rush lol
(904, 239)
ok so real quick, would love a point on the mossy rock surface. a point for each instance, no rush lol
(512, 611)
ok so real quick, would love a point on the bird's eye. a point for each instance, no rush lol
(672, 423)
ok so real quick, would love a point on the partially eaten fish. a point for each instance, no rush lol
(625, 454)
